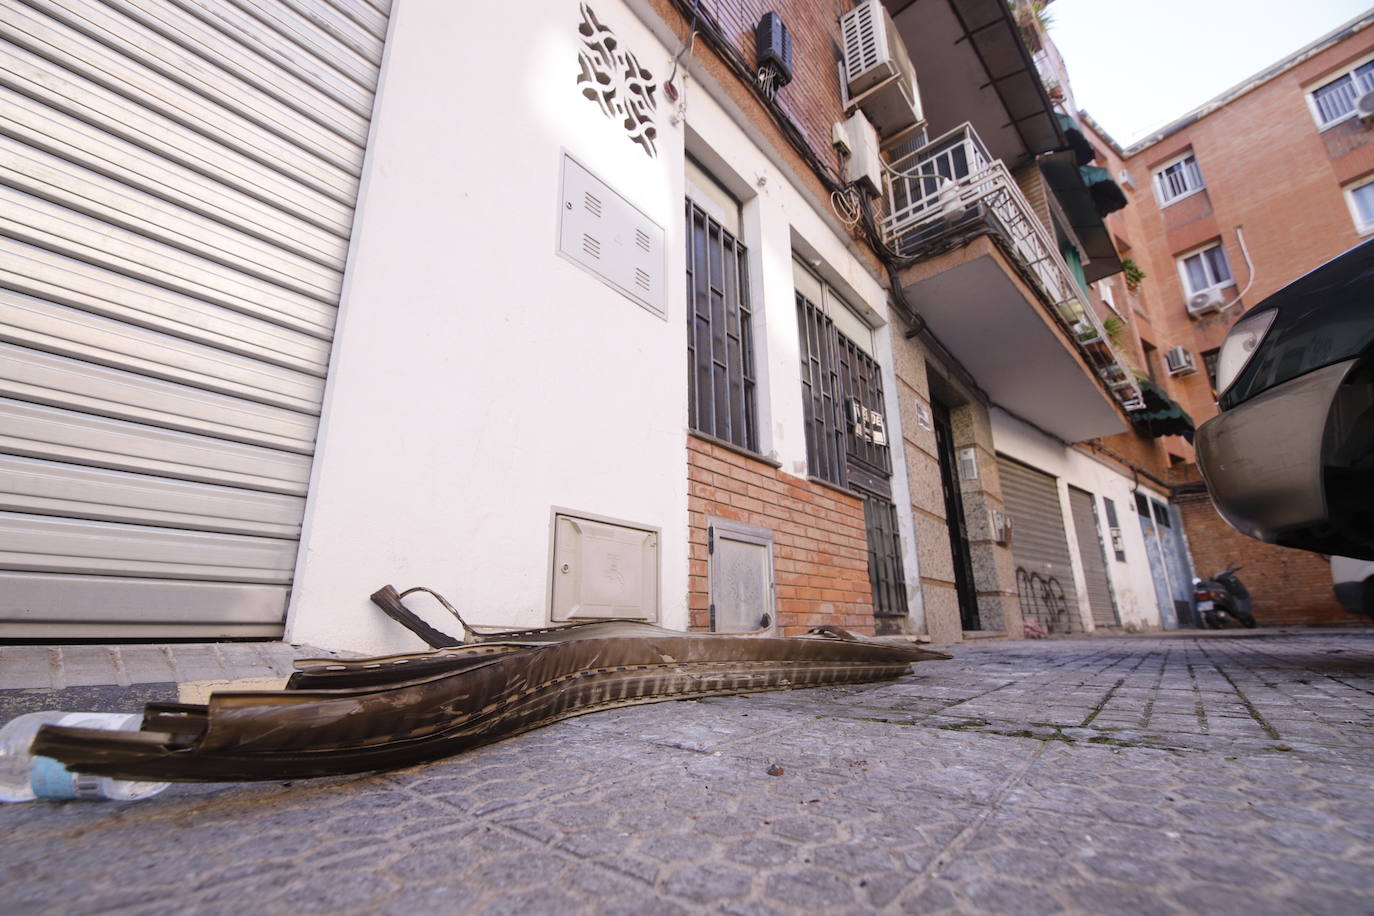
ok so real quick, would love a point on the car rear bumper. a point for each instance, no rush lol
(1262, 459)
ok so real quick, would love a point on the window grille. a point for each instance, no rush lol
(1335, 101)
(861, 382)
(1180, 178)
(720, 348)
(885, 574)
(821, 399)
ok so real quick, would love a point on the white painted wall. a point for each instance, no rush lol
(1131, 581)
(479, 379)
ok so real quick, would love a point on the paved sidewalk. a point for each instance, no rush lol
(1225, 773)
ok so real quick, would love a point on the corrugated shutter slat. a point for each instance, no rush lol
(177, 183)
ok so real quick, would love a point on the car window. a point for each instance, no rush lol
(1319, 324)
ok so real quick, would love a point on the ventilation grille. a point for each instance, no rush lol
(861, 42)
(612, 239)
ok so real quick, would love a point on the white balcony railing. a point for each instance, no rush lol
(953, 184)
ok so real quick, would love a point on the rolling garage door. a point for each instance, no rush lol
(177, 182)
(1044, 572)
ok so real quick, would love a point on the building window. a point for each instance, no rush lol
(1178, 179)
(1360, 199)
(1209, 362)
(842, 389)
(720, 351)
(1206, 270)
(1334, 101)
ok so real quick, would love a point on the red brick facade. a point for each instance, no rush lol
(1288, 586)
(1271, 173)
(820, 551)
(812, 99)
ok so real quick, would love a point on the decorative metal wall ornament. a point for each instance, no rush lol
(613, 79)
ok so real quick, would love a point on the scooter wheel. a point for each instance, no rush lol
(1246, 621)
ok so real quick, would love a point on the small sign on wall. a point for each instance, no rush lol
(968, 463)
(923, 419)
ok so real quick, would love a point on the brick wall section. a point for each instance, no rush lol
(813, 97)
(1288, 586)
(820, 551)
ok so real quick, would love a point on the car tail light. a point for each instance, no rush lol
(1240, 344)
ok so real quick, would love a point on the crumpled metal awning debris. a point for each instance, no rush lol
(338, 717)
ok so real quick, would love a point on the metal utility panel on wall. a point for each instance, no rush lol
(603, 568)
(605, 234)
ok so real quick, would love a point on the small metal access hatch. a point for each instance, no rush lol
(603, 568)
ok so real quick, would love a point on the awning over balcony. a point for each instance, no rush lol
(1079, 203)
(1078, 142)
(1107, 194)
(1162, 415)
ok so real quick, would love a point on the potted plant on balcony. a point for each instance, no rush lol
(1132, 273)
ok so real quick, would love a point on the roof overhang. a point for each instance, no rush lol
(971, 65)
(990, 320)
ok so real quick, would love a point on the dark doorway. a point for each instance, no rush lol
(954, 516)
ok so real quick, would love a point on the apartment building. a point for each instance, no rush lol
(1229, 203)
(728, 316)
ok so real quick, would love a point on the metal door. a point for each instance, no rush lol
(1159, 564)
(1040, 547)
(1093, 553)
(741, 571)
(960, 552)
(177, 186)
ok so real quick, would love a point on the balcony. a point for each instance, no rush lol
(942, 197)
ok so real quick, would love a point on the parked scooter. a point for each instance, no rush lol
(1222, 599)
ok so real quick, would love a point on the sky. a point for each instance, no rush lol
(1136, 67)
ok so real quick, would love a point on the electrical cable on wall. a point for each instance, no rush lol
(703, 23)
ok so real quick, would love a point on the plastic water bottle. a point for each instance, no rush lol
(24, 777)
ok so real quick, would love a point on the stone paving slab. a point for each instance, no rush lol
(25, 667)
(1216, 773)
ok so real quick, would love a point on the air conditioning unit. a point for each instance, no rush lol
(1207, 301)
(1364, 107)
(860, 142)
(876, 75)
(1124, 179)
(1179, 360)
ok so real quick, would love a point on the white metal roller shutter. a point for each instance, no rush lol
(1044, 570)
(1093, 553)
(177, 183)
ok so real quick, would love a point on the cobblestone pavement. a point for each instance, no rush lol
(1219, 773)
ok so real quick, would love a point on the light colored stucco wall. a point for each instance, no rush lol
(479, 379)
(1131, 581)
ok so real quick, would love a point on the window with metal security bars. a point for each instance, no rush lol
(1178, 179)
(885, 575)
(842, 399)
(1334, 101)
(821, 398)
(720, 351)
(861, 383)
